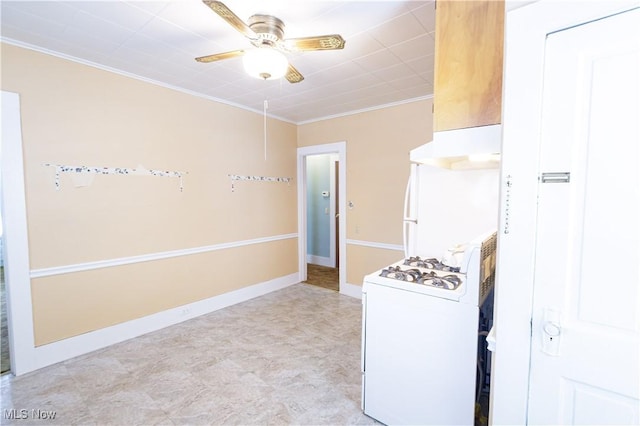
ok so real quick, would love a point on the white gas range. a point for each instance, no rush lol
(420, 336)
(468, 282)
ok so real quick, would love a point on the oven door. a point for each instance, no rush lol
(419, 357)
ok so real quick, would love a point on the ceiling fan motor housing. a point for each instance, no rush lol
(270, 30)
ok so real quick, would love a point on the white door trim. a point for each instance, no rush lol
(332, 209)
(339, 148)
(526, 31)
(16, 247)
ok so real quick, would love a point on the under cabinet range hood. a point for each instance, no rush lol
(462, 149)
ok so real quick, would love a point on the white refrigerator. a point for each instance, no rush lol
(445, 208)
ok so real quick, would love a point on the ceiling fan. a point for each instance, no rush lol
(266, 33)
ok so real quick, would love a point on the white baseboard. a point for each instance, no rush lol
(320, 260)
(351, 290)
(74, 346)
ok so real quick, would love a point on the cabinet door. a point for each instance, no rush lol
(468, 64)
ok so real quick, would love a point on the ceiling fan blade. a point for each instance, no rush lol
(325, 42)
(293, 75)
(220, 56)
(225, 13)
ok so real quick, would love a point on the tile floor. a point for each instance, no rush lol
(289, 357)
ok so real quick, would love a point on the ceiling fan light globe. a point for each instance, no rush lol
(265, 63)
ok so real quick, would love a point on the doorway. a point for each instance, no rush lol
(15, 242)
(321, 182)
(321, 218)
(528, 310)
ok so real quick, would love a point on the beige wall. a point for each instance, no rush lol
(378, 145)
(71, 304)
(74, 114)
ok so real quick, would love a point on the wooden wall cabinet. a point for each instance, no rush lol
(468, 64)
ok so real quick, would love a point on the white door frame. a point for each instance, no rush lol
(339, 148)
(16, 249)
(332, 209)
(525, 38)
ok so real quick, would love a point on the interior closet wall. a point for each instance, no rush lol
(73, 114)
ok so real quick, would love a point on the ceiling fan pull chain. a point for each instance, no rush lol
(265, 106)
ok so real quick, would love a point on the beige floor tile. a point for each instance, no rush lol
(289, 357)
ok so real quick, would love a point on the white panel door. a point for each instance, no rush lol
(586, 320)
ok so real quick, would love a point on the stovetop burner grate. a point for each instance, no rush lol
(431, 263)
(431, 278)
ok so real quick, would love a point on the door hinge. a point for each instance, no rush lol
(555, 177)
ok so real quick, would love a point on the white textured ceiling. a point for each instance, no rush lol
(387, 59)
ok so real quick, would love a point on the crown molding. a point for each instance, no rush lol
(197, 94)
